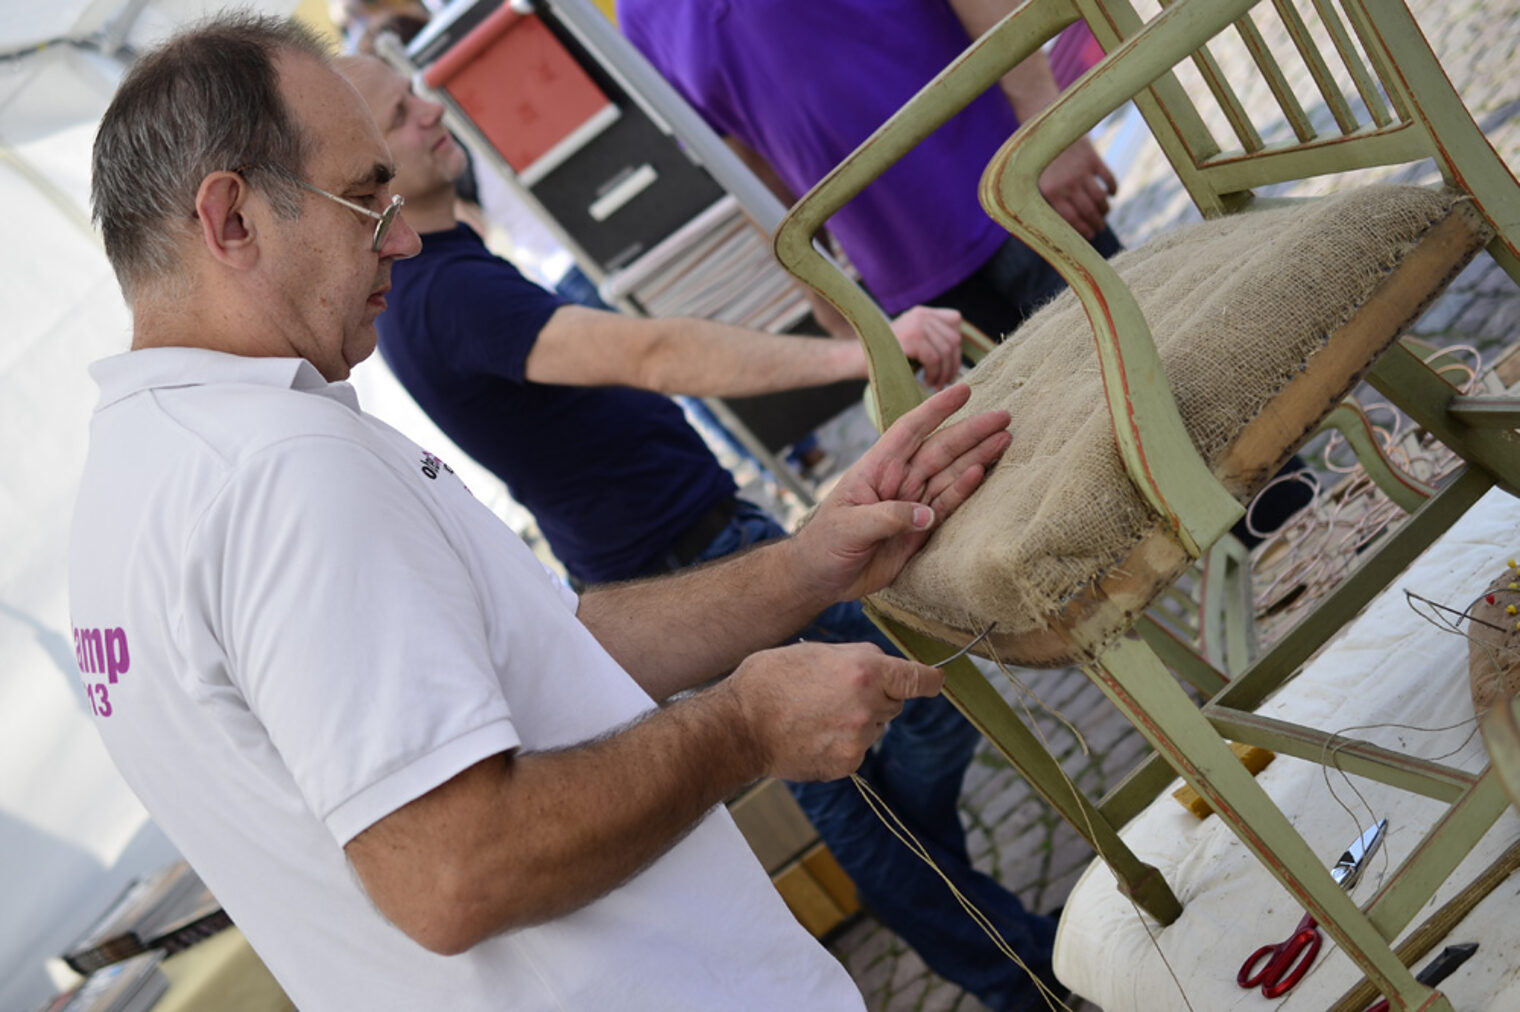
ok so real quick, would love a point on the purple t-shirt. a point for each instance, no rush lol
(803, 82)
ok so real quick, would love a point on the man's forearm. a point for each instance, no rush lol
(585, 347)
(1030, 86)
(712, 359)
(707, 359)
(519, 840)
(1077, 183)
(680, 631)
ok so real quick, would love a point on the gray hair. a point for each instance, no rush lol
(207, 100)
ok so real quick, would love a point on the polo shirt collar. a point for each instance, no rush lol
(121, 376)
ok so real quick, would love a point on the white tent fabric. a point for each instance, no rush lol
(70, 831)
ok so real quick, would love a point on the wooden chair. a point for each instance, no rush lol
(1172, 383)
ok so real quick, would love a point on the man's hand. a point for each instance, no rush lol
(931, 337)
(884, 506)
(1078, 184)
(812, 710)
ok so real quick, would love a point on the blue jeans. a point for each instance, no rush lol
(917, 769)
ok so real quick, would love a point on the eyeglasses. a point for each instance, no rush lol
(383, 219)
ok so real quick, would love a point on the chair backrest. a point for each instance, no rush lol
(1380, 97)
(1352, 85)
(1408, 111)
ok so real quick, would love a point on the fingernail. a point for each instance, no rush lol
(923, 516)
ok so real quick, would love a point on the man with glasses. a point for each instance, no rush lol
(525, 383)
(416, 771)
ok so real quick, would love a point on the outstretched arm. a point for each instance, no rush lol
(587, 347)
(520, 839)
(682, 630)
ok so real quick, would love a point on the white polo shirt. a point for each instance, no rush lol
(290, 621)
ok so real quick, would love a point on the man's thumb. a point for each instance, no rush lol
(882, 521)
(911, 679)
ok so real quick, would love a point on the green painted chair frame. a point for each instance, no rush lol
(1423, 117)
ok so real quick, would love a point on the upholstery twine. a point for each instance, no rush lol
(1237, 306)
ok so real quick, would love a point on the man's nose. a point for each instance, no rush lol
(402, 241)
(432, 112)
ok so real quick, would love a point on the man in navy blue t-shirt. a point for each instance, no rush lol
(566, 404)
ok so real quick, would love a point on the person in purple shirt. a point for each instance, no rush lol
(795, 85)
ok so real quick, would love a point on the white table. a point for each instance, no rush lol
(1390, 665)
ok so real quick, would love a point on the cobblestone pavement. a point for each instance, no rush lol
(1013, 836)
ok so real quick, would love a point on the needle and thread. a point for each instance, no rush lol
(963, 651)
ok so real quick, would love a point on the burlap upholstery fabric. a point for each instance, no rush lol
(1240, 307)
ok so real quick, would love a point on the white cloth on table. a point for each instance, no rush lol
(1390, 666)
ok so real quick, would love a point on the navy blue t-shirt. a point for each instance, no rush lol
(613, 475)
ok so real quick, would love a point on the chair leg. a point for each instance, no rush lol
(1226, 619)
(991, 715)
(1396, 551)
(1181, 656)
(1406, 491)
(1137, 682)
(1499, 249)
(1418, 943)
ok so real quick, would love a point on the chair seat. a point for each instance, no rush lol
(1263, 320)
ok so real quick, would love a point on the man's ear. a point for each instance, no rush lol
(221, 211)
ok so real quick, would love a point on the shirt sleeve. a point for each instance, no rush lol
(350, 626)
(485, 316)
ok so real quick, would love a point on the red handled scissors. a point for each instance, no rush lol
(1287, 961)
(1278, 967)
